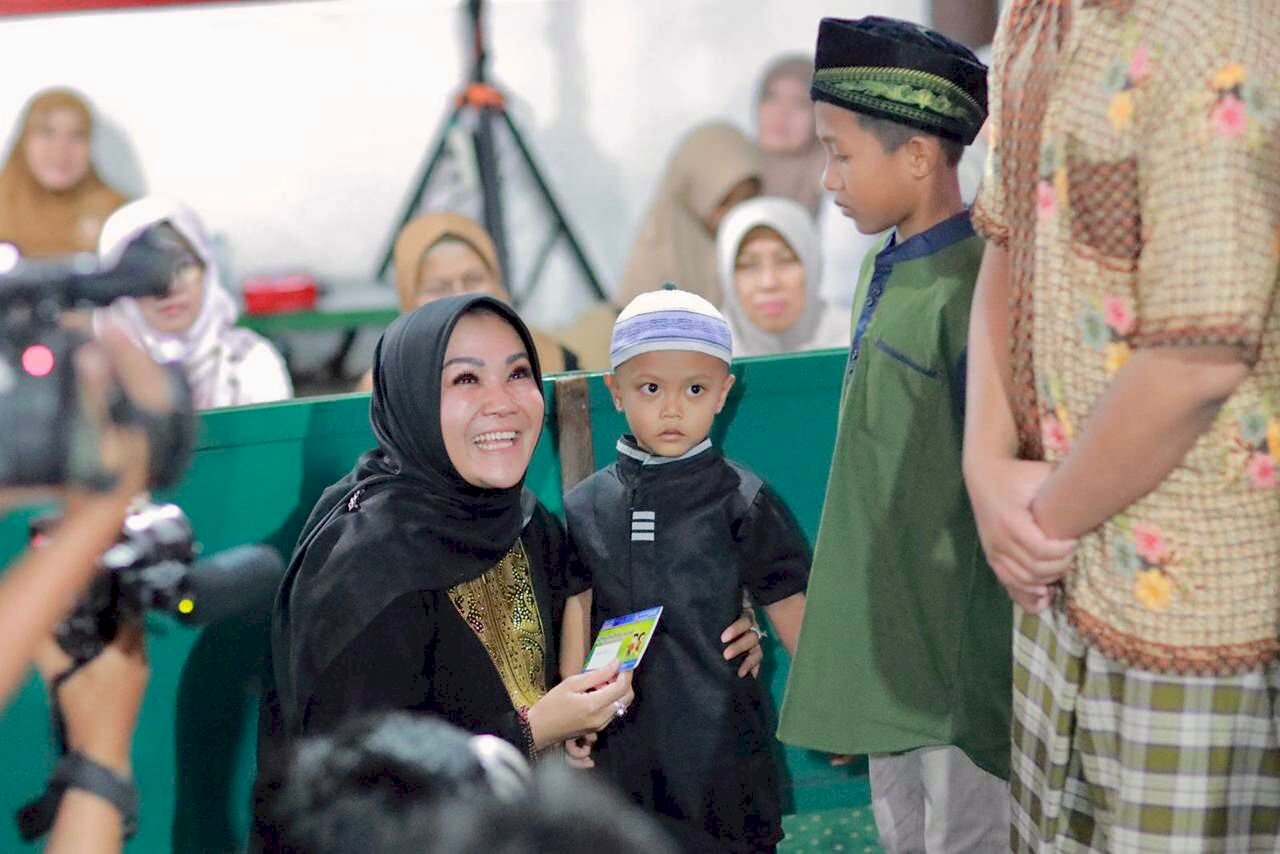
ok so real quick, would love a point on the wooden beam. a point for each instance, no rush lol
(573, 430)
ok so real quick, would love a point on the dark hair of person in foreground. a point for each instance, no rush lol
(404, 782)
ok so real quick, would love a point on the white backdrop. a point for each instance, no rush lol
(295, 129)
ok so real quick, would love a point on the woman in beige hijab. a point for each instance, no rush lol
(51, 198)
(794, 161)
(714, 168)
(792, 156)
(444, 254)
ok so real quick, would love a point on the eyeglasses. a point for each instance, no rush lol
(188, 261)
(468, 283)
(754, 269)
(184, 265)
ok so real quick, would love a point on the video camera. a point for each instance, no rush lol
(45, 439)
(153, 567)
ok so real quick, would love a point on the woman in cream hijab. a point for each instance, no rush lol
(770, 262)
(194, 325)
(51, 198)
(714, 167)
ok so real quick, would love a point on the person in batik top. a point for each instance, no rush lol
(1124, 417)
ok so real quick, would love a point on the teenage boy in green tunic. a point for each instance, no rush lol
(905, 647)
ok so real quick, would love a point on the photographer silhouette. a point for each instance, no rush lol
(99, 701)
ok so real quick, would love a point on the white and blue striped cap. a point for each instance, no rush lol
(670, 319)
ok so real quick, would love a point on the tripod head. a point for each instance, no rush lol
(479, 93)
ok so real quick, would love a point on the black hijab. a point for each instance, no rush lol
(403, 519)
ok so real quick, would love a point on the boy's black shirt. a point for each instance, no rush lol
(689, 534)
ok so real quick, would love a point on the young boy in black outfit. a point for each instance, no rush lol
(673, 523)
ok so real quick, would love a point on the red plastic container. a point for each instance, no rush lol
(277, 294)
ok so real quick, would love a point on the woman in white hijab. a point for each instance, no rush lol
(770, 263)
(195, 323)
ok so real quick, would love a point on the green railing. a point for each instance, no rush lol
(254, 478)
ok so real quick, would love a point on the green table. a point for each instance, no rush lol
(318, 320)
(346, 309)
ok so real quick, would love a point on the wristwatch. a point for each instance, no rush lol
(77, 771)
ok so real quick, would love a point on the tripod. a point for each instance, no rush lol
(487, 102)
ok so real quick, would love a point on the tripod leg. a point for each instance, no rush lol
(535, 271)
(420, 189)
(562, 225)
(490, 186)
(336, 365)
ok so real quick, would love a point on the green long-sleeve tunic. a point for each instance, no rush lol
(906, 637)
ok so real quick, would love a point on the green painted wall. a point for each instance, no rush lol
(255, 475)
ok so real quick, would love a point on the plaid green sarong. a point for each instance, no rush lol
(1107, 758)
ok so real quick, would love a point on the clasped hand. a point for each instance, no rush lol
(1027, 562)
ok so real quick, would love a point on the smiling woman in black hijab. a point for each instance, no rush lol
(427, 579)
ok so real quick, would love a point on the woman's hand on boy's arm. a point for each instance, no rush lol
(742, 638)
(785, 616)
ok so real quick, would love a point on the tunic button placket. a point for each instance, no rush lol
(864, 322)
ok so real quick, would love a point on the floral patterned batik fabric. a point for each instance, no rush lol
(1135, 180)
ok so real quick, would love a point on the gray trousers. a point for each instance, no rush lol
(935, 800)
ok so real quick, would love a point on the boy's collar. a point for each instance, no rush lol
(627, 447)
(951, 230)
